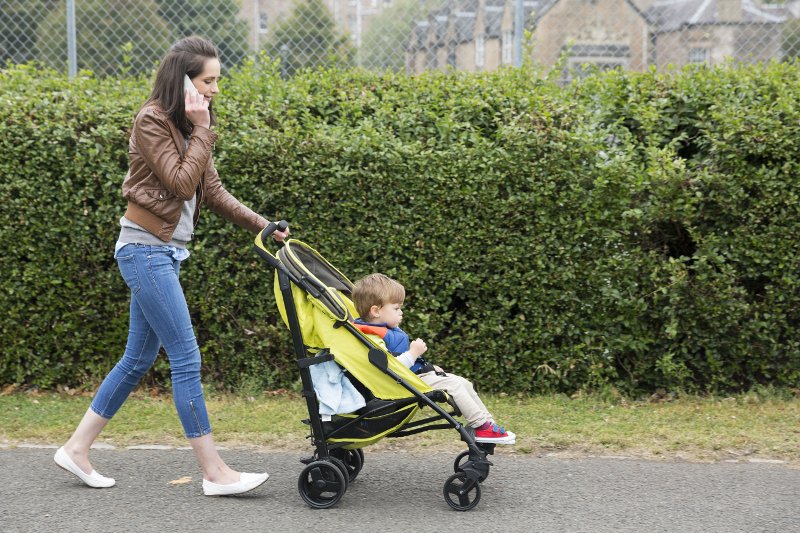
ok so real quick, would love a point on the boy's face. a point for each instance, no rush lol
(390, 314)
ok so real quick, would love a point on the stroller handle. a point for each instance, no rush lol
(261, 239)
(271, 227)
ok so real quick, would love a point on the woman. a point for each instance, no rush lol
(171, 175)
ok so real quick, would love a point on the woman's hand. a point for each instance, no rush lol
(279, 235)
(197, 108)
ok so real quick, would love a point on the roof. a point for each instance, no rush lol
(536, 9)
(671, 15)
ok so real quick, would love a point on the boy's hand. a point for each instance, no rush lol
(417, 347)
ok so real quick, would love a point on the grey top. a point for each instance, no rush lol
(131, 232)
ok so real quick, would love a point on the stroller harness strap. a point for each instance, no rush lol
(380, 331)
(420, 365)
(311, 361)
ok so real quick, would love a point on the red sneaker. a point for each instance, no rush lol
(495, 434)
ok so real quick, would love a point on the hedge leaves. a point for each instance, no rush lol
(633, 230)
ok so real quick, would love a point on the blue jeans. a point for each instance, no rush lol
(159, 316)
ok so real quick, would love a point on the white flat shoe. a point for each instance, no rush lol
(94, 479)
(247, 482)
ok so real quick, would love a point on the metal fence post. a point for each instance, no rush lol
(72, 48)
(284, 61)
(519, 31)
(256, 27)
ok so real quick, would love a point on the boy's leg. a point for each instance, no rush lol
(463, 394)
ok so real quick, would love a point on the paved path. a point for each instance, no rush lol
(401, 491)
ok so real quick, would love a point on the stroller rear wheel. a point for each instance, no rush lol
(322, 484)
(343, 467)
(353, 461)
(461, 493)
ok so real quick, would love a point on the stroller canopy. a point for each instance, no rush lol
(323, 303)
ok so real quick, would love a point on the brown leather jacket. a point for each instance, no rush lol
(164, 173)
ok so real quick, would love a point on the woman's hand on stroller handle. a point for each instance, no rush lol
(278, 230)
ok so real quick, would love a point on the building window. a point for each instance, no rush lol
(480, 50)
(587, 58)
(508, 47)
(263, 19)
(583, 67)
(698, 55)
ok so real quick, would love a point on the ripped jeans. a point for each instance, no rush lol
(158, 316)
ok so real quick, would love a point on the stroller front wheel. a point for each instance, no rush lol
(461, 493)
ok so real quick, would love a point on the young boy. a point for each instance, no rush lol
(379, 301)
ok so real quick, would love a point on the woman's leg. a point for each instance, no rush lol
(168, 314)
(159, 314)
(140, 352)
(214, 468)
(77, 447)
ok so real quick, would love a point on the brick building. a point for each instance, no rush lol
(475, 35)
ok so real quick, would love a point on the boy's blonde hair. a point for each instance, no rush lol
(376, 289)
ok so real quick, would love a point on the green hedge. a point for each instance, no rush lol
(630, 231)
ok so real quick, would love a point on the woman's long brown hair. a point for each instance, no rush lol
(186, 57)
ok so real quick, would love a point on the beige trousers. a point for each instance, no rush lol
(463, 394)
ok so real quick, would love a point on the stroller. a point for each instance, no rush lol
(314, 301)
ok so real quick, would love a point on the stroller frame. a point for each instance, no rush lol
(336, 463)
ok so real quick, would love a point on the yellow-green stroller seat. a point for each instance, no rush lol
(314, 301)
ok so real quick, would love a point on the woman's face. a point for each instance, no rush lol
(206, 81)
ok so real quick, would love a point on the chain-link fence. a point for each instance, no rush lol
(114, 36)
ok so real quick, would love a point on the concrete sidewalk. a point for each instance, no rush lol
(399, 491)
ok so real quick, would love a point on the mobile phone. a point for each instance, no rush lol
(188, 85)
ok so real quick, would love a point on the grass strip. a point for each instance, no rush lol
(740, 427)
